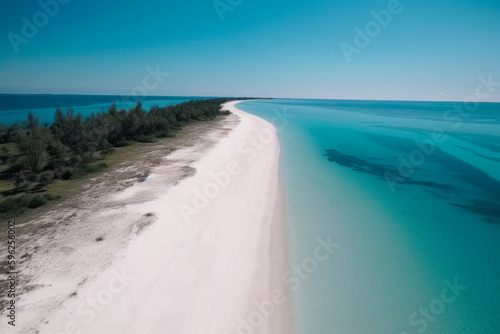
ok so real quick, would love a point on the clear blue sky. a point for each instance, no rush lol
(431, 50)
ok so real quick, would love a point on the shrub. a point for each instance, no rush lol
(21, 179)
(162, 134)
(64, 172)
(122, 143)
(46, 177)
(13, 206)
(5, 155)
(36, 201)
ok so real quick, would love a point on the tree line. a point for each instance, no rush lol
(70, 143)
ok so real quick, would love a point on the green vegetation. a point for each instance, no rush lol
(36, 162)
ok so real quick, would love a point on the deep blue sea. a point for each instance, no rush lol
(16, 107)
(411, 192)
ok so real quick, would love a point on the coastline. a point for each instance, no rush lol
(208, 255)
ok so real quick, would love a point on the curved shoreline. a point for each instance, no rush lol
(211, 262)
(280, 321)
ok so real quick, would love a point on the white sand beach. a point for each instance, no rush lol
(208, 258)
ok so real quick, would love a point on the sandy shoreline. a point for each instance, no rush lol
(207, 257)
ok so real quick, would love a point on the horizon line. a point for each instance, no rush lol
(251, 97)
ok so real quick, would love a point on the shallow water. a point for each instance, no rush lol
(411, 192)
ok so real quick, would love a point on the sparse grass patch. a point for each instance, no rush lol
(24, 204)
(51, 197)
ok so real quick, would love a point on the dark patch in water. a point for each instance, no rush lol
(396, 144)
(480, 204)
(479, 155)
(469, 174)
(357, 164)
(379, 170)
(406, 128)
(463, 170)
(490, 211)
(430, 184)
(437, 194)
(489, 142)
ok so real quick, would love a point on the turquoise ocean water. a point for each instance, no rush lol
(411, 192)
